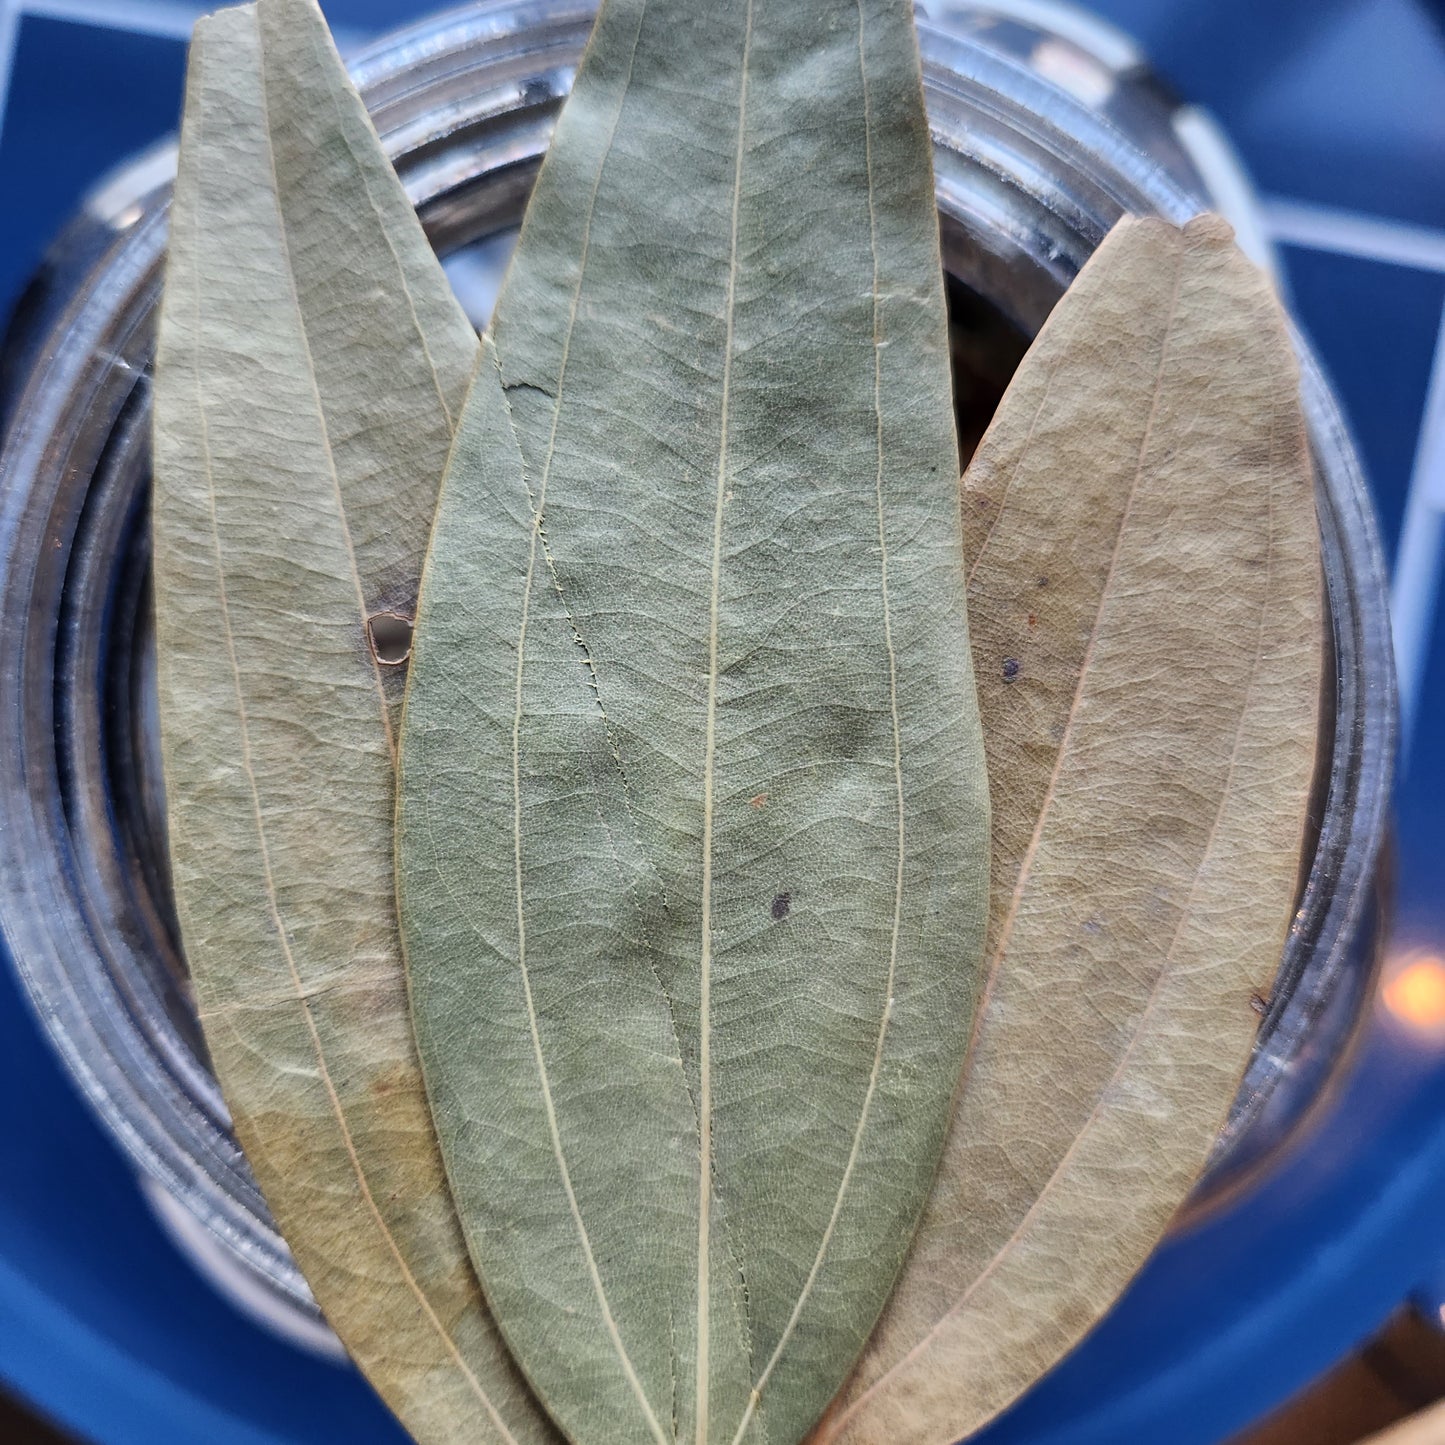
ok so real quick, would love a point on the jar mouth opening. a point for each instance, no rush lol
(1028, 183)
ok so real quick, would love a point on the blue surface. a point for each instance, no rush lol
(82, 97)
(1335, 102)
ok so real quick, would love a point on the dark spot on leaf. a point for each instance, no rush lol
(1259, 1002)
(1043, 582)
(390, 636)
(1033, 621)
(1010, 668)
(782, 904)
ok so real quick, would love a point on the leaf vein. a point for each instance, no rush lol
(705, 1162)
(538, 512)
(855, 1150)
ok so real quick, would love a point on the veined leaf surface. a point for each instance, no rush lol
(311, 363)
(1144, 589)
(693, 820)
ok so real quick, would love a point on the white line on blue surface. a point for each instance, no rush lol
(1415, 589)
(171, 18)
(1354, 233)
(1420, 558)
(168, 19)
(9, 33)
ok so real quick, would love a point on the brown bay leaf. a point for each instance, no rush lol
(1145, 601)
(311, 364)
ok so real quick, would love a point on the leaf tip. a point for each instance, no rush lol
(1209, 229)
(215, 27)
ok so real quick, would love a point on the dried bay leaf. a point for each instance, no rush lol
(311, 364)
(1144, 592)
(693, 825)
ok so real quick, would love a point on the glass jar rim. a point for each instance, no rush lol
(1029, 179)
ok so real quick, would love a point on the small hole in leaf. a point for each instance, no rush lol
(390, 635)
(1010, 669)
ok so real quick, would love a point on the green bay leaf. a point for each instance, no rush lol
(1145, 597)
(693, 824)
(311, 364)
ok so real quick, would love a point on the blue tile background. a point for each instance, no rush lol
(81, 98)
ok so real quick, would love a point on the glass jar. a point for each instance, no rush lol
(1043, 137)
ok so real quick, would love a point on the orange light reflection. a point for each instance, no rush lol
(1413, 993)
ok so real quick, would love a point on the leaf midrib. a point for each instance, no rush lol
(704, 1064)
(856, 1148)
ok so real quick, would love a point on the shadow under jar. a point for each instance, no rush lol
(1030, 178)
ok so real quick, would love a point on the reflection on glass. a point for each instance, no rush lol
(1413, 993)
